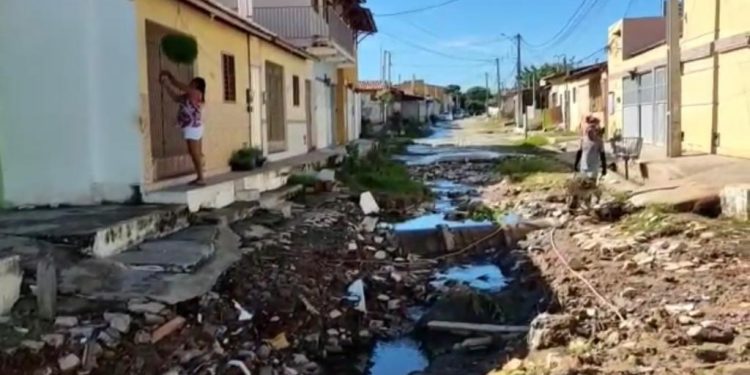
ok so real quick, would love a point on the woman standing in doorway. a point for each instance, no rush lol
(191, 98)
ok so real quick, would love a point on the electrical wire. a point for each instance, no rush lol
(575, 16)
(425, 49)
(417, 10)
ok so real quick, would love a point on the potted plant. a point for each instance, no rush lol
(247, 158)
(180, 48)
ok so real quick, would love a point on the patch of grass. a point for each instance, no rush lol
(302, 179)
(376, 172)
(533, 141)
(655, 220)
(520, 168)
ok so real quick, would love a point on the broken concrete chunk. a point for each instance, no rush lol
(256, 232)
(68, 363)
(10, 282)
(32, 344)
(369, 223)
(368, 204)
(120, 322)
(54, 340)
(326, 175)
(66, 321)
(145, 307)
(335, 314)
(381, 255)
(46, 287)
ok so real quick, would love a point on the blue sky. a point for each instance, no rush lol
(469, 32)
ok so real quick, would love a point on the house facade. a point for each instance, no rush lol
(329, 31)
(106, 131)
(575, 94)
(715, 49)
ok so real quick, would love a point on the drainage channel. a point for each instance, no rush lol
(408, 355)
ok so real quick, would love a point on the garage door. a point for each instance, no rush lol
(660, 106)
(646, 101)
(630, 109)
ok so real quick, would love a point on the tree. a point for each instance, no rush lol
(478, 93)
(532, 73)
(453, 90)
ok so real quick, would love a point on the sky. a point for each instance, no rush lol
(463, 38)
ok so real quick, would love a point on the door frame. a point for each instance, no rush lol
(170, 159)
(309, 100)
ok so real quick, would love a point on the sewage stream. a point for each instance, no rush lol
(405, 355)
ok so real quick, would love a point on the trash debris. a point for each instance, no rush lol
(167, 329)
(279, 342)
(356, 295)
(244, 314)
(240, 365)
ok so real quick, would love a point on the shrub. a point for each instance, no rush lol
(246, 158)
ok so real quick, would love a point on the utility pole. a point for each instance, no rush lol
(674, 80)
(382, 64)
(390, 66)
(487, 92)
(499, 96)
(519, 89)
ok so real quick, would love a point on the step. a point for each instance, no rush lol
(222, 190)
(99, 231)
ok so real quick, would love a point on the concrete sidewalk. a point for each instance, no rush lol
(656, 179)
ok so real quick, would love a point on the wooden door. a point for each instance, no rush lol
(311, 136)
(168, 149)
(275, 116)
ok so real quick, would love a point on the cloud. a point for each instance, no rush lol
(487, 45)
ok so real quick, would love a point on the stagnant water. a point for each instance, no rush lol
(405, 355)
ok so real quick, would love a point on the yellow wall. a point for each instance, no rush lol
(227, 125)
(697, 105)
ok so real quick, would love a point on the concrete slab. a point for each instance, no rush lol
(107, 280)
(222, 190)
(100, 231)
(167, 255)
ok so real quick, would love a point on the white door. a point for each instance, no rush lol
(256, 108)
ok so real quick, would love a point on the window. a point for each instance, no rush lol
(574, 94)
(295, 91)
(230, 80)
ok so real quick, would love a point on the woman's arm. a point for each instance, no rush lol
(173, 90)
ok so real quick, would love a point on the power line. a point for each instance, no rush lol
(425, 49)
(567, 30)
(417, 10)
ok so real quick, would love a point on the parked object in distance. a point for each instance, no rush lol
(446, 116)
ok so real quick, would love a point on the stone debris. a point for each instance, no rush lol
(66, 321)
(368, 204)
(145, 307)
(54, 340)
(118, 321)
(69, 362)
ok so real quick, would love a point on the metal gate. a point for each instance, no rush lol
(644, 107)
(275, 116)
(630, 109)
(646, 101)
(660, 106)
(168, 148)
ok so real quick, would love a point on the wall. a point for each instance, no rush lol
(733, 92)
(640, 33)
(68, 102)
(296, 118)
(323, 106)
(227, 124)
